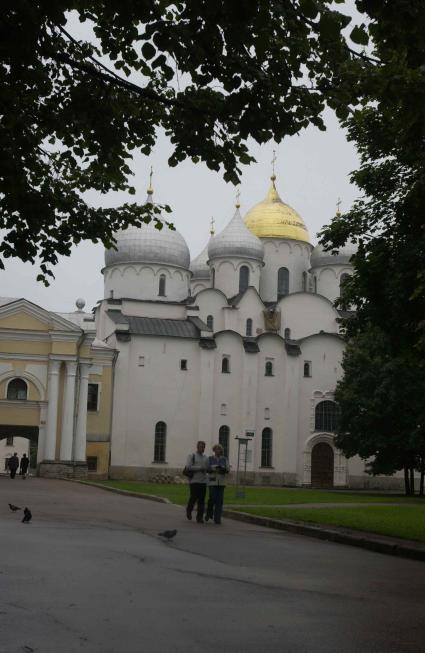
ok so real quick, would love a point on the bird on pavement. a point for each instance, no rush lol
(14, 508)
(168, 535)
(27, 516)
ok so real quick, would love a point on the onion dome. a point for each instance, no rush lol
(199, 266)
(272, 218)
(320, 258)
(147, 244)
(236, 241)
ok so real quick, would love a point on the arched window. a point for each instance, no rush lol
(342, 280)
(282, 282)
(287, 333)
(160, 442)
(161, 290)
(210, 322)
(304, 282)
(225, 365)
(266, 447)
(248, 329)
(326, 417)
(213, 277)
(268, 371)
(17, 389)
(223, 439)
(243, 278)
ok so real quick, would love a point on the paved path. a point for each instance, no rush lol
(90, 574)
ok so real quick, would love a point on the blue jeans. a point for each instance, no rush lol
(215, 503)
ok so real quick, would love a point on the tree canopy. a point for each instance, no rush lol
(209, 74)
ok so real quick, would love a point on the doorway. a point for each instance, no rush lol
(322, 465)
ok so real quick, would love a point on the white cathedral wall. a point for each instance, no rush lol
(249, 307)
(154, 309)
(212, 302)
(306, 313)
(291, 254)
(328, 279)
(227, 274)
(141, 281)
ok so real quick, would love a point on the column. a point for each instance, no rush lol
(52, 410)
(81, 430)
(68, 412)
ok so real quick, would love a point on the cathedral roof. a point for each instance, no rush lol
(236, 241)
(147, 244)
(199, 265)
(272, 218)
(320, 258)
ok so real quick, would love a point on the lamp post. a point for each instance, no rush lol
(240, 487)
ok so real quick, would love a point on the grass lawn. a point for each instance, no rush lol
(261, 495)
(406, 522)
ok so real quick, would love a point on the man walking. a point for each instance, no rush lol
(13, 465)
(197, 465)
(24, 465)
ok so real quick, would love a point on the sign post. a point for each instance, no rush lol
(240, 482)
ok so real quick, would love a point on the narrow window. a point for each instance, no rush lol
(225, 365)
(210, 322)
(213, 277)
(267, 413)
(266, 447)
(268, 369)
(223, 439)
(282, 282)
(223, 409)
(326, 416)
(160, 442)
(287, 334)
(342, 280)
(243, 278)
(92, 463)
(9, 441)
(183, 364)
(304, 282)
(17, 389)
(248, 329)
(92, 396)
(307, 368)
(161, 290)
(141, 361)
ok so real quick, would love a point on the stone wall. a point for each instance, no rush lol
(63, 470)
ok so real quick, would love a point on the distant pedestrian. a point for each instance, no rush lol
(218, 468)
(24, 465)
(196, 467)
(13, 465)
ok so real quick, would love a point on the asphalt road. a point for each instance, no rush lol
(90, 574)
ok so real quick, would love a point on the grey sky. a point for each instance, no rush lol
(312, 172)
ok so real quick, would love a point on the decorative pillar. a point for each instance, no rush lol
(81, 431)
(68, 412)
(52, 410)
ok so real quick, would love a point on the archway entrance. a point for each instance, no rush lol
(322, 465)
(9, 433)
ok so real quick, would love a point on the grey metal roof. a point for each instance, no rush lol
(199, 266)
(155, 326)
(236, 240)
(199, 323)
(320, 258)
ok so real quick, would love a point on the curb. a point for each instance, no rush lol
(352, 538)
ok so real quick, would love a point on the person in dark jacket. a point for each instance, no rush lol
(197, 464)
(13, 465)
(218, 468)
(24, 465)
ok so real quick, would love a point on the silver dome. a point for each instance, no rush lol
(149, 245)
(199, 265)
(236, 240)
(319, 257)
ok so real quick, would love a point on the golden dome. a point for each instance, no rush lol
(272, 218)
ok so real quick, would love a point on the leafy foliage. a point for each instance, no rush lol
(210, 74)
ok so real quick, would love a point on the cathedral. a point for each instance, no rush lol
(241, 346)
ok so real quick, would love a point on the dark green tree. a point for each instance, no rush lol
(208, 74)
(387, 291)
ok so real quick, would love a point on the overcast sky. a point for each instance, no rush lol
(312, 171)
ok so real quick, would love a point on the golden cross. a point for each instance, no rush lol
(338, 206)
(150, 177)
(212, 230)
(238, 197)
(274, 159)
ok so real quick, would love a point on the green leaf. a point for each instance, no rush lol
(359, 35)
(148, 51)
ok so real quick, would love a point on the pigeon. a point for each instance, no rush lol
(27, 516)
(14, 508)
(168, 535)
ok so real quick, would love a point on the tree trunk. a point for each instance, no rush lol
(406, 481)
(412, 481)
